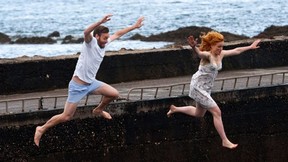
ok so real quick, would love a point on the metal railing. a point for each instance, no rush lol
(248, 81)
(39, 103)
(157, 91)
(220, 84)
(142, 93)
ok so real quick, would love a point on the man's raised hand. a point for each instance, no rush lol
(106, 18)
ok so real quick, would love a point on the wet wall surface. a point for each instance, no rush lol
(256, 119)
(52, 73)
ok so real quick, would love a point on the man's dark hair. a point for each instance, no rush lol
(99, 30)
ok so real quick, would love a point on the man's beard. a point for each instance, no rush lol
(101, 46)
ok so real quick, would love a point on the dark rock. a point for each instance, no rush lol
(138, 37)
(4, 38)
(180, 35)
(70, 39)
(35, 40)
(233, 37)
(272, 31)
(54, 34)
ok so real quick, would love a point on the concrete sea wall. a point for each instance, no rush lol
(37, 74)
(141, 131)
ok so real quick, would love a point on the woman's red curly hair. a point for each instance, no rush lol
(209, 39)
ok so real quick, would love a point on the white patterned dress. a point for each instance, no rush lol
(201, 84)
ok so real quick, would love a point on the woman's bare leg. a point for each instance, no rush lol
(67, 115)
(188, 110)
(109, 94)
(216, 112)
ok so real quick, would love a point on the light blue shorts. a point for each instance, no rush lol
(77, 91)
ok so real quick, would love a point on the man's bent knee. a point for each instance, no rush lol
(116, 95)
(66, 118)
(113, 94)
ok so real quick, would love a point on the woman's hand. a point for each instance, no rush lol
(191, 41)
(254, 45)
(139, 22)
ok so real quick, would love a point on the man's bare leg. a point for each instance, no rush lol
(67, 115)
(99, 110)
(109, 94)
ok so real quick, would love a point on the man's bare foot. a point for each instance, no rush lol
(171, 111)
(38, 135)
(228, 144)
(104, 114)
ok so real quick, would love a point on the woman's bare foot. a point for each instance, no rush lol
(38, 135)
(228, 144)
(171, 111)
(104, 114)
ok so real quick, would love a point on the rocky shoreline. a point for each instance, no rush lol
(177, 36)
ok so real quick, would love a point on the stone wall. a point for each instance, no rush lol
(50, 73)
(141, 131)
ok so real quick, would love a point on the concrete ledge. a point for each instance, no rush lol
(140, 131)
(28, 74)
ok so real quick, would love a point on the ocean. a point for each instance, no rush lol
(20, 18)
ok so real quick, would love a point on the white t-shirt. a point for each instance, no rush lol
(89, 60)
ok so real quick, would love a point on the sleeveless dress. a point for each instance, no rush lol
(201, 84)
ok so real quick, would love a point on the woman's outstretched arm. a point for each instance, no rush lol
(239, 50)
(193, 42)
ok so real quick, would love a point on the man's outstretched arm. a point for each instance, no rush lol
(87, 32)
(121, 32)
